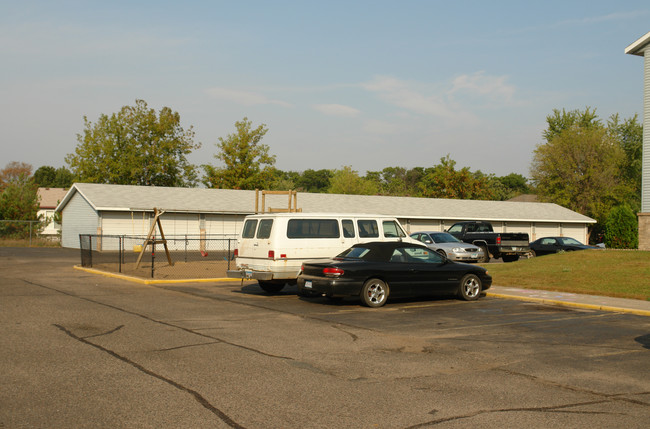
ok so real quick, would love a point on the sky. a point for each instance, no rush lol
(365, 84)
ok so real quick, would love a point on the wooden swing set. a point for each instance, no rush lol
(152, 241)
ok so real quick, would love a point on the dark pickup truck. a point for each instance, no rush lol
(506, 245)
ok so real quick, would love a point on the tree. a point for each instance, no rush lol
(561, 121)
(314, 180)
(507, 187)
(248, 164)
(44, 176)
(50, 177)
(579, 168)
(444, 181)
(629, 135)
(348, 181)
(135, 146)
(14, 172)
(621, 228)
(19, 201)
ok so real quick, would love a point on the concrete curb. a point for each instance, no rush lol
(154, 281)
(571, 304)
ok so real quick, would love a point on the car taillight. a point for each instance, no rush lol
(335, 272)
(236, 253)
(271, 254)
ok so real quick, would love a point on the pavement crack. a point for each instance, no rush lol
(552, 409)
(187, 346)
(101, 334)
(616, 397)
(161, 322)
(354, 337)
(197, 396)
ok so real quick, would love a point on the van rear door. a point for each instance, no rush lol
(255, 235)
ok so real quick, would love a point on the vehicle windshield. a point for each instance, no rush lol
(353, 253)
(570, 241)
(444, 237)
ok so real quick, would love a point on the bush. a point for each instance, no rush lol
(621, 228)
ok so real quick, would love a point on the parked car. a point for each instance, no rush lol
(376, 270)
(508, 246)
(546, 245)
(449, 246)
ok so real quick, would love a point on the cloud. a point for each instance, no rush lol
(245, 98)
(401, 94)
(493, 87)
(617, 16)
(337, 110)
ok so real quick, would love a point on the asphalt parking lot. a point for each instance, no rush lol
(82, 350)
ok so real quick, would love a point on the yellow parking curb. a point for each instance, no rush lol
(154, 281)
(571, 304)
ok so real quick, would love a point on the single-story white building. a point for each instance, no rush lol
(128, 210)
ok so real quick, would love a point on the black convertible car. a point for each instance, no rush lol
(548, 245)
(373, 271)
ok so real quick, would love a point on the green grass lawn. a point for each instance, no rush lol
(619, 273)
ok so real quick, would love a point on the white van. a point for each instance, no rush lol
(272, 247)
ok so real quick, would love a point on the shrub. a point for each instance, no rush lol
(621, 228)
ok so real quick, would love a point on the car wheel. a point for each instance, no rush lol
(374, 293)
(270, 287)
(442, 252)
(486, 254)
(470, 287)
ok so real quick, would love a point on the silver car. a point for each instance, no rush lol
(449, 246)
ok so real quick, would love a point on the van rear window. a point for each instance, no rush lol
(313, 228)
(368, 228)
(348, 228)
(264, 231)
(249, 228)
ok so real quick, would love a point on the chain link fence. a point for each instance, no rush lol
(192, 257)
(21, 229)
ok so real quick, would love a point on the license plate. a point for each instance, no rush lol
(307, 284)
(248, 274)
(474, 255)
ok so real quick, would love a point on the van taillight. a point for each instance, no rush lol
(336, 272)
(236, 253)
(271, 254)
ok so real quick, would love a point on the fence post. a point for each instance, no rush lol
(119, 254)
(81, 251)
(229, 253)
(153, 253)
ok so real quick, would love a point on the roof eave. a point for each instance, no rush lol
(494, 219)
(639, 47)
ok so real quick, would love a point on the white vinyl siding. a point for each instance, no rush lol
(126, 223)
(417, 225)
(229, 225)
(545, 230)
(78, 218)
(574, 231)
